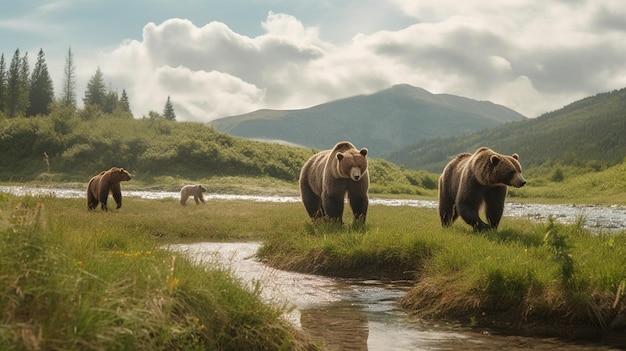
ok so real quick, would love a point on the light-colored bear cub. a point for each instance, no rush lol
(192, 190)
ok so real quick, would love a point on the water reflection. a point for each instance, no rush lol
(340, 326)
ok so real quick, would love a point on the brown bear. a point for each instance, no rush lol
(473, 181)
(328, 176)
(192, 190)
(104, 183)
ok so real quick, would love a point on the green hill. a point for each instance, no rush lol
(383, 122)
(588, 131)
(80, 144)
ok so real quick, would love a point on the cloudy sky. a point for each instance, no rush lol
(220, 58)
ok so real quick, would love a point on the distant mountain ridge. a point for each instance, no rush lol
(383, 122)
(588, 132)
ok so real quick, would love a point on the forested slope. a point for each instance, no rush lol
(590, 130)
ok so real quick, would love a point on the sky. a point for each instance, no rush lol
(222, 58)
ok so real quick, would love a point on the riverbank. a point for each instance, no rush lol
(539, 275)
(566, 279)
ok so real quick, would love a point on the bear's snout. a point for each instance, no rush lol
(519, 181)
(355, 173)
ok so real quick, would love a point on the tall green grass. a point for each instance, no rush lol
(78, 280)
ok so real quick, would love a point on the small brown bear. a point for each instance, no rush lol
(192, 190)
(473, 181)
(328, 176)
(104, 183)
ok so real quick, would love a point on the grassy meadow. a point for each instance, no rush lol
(75, 279)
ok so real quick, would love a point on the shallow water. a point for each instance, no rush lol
(352, 314)
(598, 218)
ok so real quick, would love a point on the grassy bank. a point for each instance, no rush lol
(79, 280)
(546, 277)
(73, 275)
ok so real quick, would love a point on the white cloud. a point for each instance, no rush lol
(221, 65)
(532, 56)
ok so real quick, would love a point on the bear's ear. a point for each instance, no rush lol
(515, 156)
(363, 152)
(494, 160)
(339, 156)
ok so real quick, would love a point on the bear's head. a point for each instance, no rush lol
(352, 163)
(201, 188)
(119, 175)
(503, 170)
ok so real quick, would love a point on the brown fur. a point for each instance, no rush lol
(104, 183)
(328, 176)
(192, 190)
(473, 181)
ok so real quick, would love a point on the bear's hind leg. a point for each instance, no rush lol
(92, 204)
(92, 201)
(447, 210)
(447, 213)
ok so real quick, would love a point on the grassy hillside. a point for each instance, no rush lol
(586, 133)
(80, 144)
(382, 122)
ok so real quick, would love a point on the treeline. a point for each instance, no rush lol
(27, 94)
(72, 145)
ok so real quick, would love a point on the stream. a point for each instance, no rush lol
(363, 315)
(355, 314)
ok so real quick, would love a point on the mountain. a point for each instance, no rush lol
(383, 122)
(587, 132)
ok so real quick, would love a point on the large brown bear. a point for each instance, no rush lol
(192, 190)
(104, 183)
(473, 181)
(328, 176)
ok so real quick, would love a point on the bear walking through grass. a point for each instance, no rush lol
(104, 183)
(192, 190)
(328, 176)
(471, 182)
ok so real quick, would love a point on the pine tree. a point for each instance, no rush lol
(68, 95)
(96, 91)
(168, 111)
(111, 101)
(3, 84)
(41, 90)
(124, 103)
(13, 85)
(24, 96)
